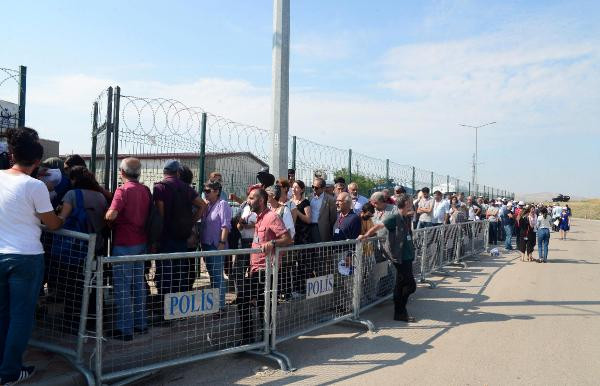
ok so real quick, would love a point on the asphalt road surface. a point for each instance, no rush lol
(498, 321)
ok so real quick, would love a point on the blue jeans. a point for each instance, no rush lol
(543, 236)
(130, 290)
(20, 282)
(215, 266)
(508, 236)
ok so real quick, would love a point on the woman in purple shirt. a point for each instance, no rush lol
(216, 223)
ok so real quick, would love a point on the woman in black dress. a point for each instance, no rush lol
(302, 225)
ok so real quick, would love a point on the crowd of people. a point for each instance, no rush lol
(173, 217)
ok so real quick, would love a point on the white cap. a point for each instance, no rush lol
(521, 203)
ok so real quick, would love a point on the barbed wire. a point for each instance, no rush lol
(167, 126)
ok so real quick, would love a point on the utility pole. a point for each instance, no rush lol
(281, 87)
(475, 161)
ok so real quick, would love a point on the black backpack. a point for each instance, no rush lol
(180, 210)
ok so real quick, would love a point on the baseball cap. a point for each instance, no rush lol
(172, 166)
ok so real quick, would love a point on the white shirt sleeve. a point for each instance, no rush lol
(41, 197)
(288, 221)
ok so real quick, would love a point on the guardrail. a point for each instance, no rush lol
(154, 311)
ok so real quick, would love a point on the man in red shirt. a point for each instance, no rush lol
(269, 233)
(128, 212)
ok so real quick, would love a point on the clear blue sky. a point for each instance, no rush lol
(388, 78)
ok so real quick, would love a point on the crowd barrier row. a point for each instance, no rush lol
(180, 310)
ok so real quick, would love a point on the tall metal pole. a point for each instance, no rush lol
(202, 160)
(387, 172)
(115, 147)
(22, 94)
(349, 166)
(475, 159)
(294, 153)
(280, 96)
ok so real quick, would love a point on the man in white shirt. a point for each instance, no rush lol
(441, 208)
(323, 213)
(425, 209)
(357, 200)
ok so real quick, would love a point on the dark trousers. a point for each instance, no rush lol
(252, 293)
(405, 286)
(493, 233)
(242, 262)
(176, 275)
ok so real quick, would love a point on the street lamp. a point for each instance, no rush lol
(475, 159)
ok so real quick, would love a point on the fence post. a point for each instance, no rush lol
(448, 184)
(22, 94)
(431, 183)
(387, 172)
(99, 318)
(413, 180)
(349, 166)
(492, 195)
(294, 153)
(109, 102)
(115, 148)
(202, 160)
(469, 189)
(94, 138)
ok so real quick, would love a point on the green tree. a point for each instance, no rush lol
(365, 184)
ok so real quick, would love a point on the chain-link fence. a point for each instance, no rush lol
(66, 309)
(12, 98)
(157, 129)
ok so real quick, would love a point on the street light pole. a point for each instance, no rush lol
(475, 160)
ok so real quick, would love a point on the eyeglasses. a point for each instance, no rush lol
(207, 191)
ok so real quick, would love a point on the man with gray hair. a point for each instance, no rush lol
(357, 200)
(128, 213)
(382, 211)
(347, 225)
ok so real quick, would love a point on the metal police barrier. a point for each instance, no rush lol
(377, 273)
(163, 310)
(64, 312)
(315, 285)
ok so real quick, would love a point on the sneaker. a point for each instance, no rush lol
(26, 373)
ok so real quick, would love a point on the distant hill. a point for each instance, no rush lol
(544, 196)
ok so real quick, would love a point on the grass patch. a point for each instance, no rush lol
(589, 209)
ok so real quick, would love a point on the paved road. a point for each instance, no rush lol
(500, 321)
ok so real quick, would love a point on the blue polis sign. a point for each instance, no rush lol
(193, 303)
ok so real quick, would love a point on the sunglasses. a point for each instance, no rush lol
(207, 191)
(316, 187)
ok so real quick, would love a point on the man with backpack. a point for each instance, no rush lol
(174, 200)
(129, 212)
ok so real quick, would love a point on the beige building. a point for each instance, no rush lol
(238, 168)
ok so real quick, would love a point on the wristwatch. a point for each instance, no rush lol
(221, 242)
